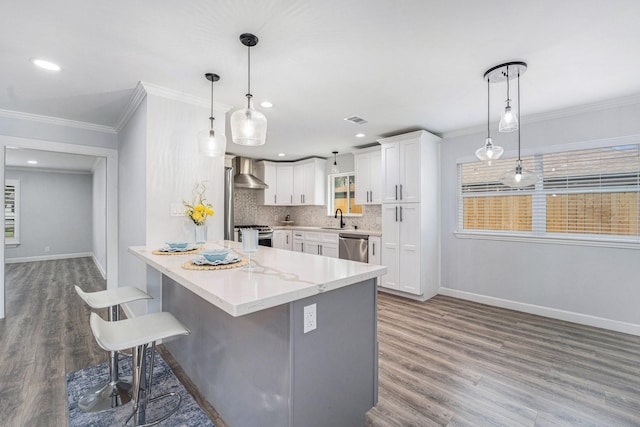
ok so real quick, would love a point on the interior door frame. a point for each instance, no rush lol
(111, 156)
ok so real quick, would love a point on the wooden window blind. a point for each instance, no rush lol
(591, 192)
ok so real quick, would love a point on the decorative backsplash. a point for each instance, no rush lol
(248, 211)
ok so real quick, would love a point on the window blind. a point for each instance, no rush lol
(593, 192)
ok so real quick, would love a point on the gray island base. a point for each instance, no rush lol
(260, 369)
(248, 354)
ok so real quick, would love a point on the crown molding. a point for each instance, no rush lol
(56, 121)
(557, 114)
(145, 88)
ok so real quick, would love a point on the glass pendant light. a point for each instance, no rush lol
(508, 121)
(334, 167)
(248, 126)
(519, 177)
(489, 152)
(210, 142)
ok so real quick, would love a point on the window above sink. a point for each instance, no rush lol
(341, 191)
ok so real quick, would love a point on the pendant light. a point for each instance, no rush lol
(334, 167)
(489, 152)
(508, 121)
(210, 142)
(248, 126)
(519, 177)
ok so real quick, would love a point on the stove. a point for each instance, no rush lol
(265, 233)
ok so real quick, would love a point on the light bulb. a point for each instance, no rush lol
(518, 177)
(489, 153)
(508, 121)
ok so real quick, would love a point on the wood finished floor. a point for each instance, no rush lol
(457, 363)
(442, 362)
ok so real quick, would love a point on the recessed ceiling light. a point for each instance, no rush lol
(281, 154)
(360, 135)
(32, 162)
(266, 104)
(47, 65)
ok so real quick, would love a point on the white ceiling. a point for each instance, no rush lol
(401, 65)
(49, 160)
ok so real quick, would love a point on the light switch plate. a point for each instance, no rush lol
(177, 209)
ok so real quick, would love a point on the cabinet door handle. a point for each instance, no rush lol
(396, 192)
(396, 214)
(400, 191)
(274, 199)
(287, 236)
(373, 249)
(291, 198)
(400, 213)
(304, 198)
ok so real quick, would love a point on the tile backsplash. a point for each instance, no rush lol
(248, 211)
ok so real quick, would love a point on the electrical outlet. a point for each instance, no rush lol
(47, 248)
(309, 318)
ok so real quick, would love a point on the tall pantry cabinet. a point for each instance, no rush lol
(411, 214)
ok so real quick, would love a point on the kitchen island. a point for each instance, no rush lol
(248, 353)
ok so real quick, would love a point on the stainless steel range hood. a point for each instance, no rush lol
(244, 177)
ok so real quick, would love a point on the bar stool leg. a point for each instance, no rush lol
(116, 392)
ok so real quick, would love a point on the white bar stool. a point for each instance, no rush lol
(115, 392)
(138, 333)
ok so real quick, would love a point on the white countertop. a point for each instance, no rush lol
(328, 230)
(279, 277)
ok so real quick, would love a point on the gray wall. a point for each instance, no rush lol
(55, 211)
(99, 210)
(590, 281)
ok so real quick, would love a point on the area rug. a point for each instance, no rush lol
(164, 381)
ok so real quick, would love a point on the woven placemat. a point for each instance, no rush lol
(191, 266)
(193, 251)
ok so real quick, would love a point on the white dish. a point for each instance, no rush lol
(169, 249)
(228, 260)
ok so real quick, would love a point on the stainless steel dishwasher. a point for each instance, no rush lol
(354, 247)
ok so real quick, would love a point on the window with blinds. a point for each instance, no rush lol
(593, 192)
(11, 211)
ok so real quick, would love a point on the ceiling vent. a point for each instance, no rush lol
(356, 120)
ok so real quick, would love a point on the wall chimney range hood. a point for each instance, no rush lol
(244, 177)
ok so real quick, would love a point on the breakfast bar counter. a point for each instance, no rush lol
(248, 353)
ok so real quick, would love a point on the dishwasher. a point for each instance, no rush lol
(354, 247)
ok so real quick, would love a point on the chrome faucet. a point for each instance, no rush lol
(342, 224)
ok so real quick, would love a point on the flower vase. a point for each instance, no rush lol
(201, 234)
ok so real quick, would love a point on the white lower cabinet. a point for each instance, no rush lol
(375, 245)
(321, 244)
(298, 241)
(283, 239)
(401, 247)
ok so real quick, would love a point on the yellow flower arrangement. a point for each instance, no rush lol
(199, 209)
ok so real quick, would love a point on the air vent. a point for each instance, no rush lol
(355, 119)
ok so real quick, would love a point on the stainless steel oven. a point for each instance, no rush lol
(265, 233)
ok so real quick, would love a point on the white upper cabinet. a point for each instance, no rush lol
(309, 182)
(284, 185)
(297, 183)
(266, 171)
(406, 159)
(368, 178)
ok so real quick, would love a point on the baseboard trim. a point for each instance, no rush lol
(402, 294)
(100, 269)
(47, 257)
(553, 313)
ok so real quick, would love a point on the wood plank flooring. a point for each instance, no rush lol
(453, 362)
(444, 362)
(46, 334)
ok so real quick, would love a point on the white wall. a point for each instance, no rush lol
(55, 212)
(132, 202)
(99, 209)
(592, 285)
(159, 165)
